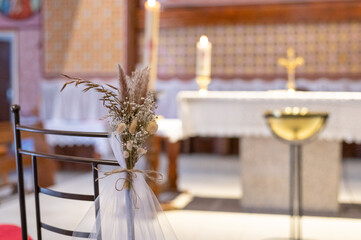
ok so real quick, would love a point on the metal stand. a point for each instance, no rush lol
(296, 211)
(282, 124)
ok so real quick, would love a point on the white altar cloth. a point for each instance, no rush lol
(236, 113)
(265, 160)
(169, 89)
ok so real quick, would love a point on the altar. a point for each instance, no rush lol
(264, 160)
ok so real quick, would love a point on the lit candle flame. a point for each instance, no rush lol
(151, 3)
(203, 41)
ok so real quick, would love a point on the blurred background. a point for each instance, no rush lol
(41, 40)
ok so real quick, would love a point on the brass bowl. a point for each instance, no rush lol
(295, 125)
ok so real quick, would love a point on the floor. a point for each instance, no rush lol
(211, 191)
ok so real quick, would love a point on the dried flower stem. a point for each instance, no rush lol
(129, 105)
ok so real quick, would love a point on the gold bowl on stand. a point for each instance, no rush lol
(295, 126)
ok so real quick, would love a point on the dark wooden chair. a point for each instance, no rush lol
(35, 155)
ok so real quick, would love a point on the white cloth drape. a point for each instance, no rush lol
(116, 213)
(91, 109)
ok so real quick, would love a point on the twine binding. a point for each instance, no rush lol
(131, 173)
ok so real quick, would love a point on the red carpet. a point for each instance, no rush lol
(10, 232)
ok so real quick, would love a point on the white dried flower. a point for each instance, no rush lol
(125, 154)
(152, 127)
(129, 145)
(121, 127)
(133, 125)
(141, 151)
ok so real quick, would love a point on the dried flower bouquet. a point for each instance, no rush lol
(131, 110)
(131, 114)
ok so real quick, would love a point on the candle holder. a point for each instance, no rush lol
(203, 82)
(296, 127)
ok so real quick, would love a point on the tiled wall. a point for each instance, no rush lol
(328, 48)
(29, 70)
(84, 36)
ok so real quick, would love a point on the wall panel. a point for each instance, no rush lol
(84, 36)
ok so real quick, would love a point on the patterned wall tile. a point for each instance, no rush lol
(84, 36)
(332, 48)
(29, 69)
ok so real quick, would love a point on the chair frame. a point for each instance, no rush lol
(19, 152)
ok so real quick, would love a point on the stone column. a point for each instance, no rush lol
(265, 175)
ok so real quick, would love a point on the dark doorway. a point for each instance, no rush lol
(5, 80)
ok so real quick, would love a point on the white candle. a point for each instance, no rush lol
(204, 52)
(150, 58)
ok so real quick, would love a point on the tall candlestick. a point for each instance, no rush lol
(150, 58)
(203, 67)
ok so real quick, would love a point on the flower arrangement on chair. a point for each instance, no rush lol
(129, 210)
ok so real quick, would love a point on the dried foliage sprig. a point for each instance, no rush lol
(123, 87)
(131, 110)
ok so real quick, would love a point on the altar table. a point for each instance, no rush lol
(264, 160)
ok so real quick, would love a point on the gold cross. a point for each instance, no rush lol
(290, 64)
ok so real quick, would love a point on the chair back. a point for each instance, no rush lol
(19, 153)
